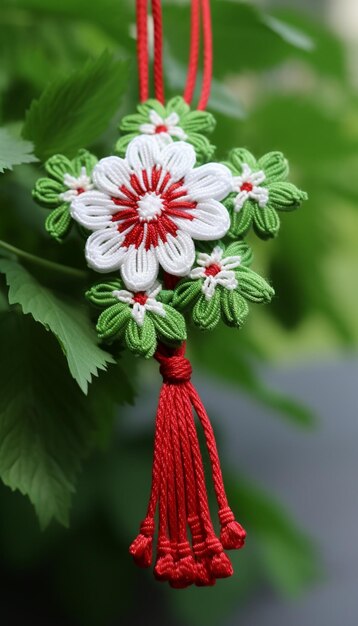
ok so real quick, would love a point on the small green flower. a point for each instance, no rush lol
(260, 190)
(175, 121)
(139, 319)
(66, 180)
(219, 287)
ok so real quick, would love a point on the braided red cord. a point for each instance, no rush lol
(158, 50)
(208, 55)
(142, 49)
(194, 51)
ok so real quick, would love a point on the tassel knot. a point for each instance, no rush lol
(141, 548)
(175, 369)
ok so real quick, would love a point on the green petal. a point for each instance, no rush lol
(113, 321)
(239, 156)
(151, 105)
(131, 123)
(241, 220)
(275, 166)
(171, 326)
(122, 143)
(141, 339)
(101, 293)
(285, 196)
(234, 307)
(177, 105)
(203, 148)
(266, 222)
(47, 191)
(84, 159)
(59, 222)
(252, 286)
(207, 313)
(239, 248)
(58, 165)
(198, 122)
(186, 293)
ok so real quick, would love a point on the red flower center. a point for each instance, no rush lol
(246, 186)
(79, 190)
(212, 269)
(140, 297)
(149, 207)
(161, 128)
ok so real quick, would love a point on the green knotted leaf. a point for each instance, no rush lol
(285, 196)
(58, 165)
(102, 294)
(240, 220)
(59, 222)
(84, 159)
(275, 166)
(266, 221)
(123, 142)
(46, 192)
(113, 321)
(238, 157)
(206, 313)
(186, 293)
(141, 339)
(14, 151)
(75, 110)
(241, 249)
(171, 326)
(234, 307)
(252, 286)
(45, 426)
(64, 318)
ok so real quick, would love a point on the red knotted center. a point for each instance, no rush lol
(161, 128)
(80, 190)
(246, 186)
(212, 269)
(140, 297)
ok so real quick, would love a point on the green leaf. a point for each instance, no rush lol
(72, 112)
(64, 319)
(45, 429)
(113, 321)
(288, 33)
(141, 339)
(14, 151)
(285, 196)
(171, 326)
(252, 286)
(186, 293)
(234, 307)
(206, 313)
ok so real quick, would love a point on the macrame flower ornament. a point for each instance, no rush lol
(219, 286)
(67, 180)
(147, 208)
(260, 189)
(138, 319)
(171, 122)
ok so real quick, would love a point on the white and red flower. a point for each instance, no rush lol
(148, 207)
(75, 185)
(163, 127)
(215, 270)
(248, 185)
(141, 301)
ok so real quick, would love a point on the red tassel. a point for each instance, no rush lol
(188, 550)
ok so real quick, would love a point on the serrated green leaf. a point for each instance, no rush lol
(14, 151)
(72, 112)
(64, 319)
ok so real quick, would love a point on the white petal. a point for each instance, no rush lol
(123, 295)
(257, 177)
(104, 251)
(177, 131)
(138, 313)
(142, 153)
(230, 262)
(140, 268)
(110, 174)
(211, 221)
(197, 272)
(93, 209)
(227, 279)
(147, 129)
(155, 307)
(154, 289)
(240, 200)
(208, 287)
(172, 119)
(178, 158)
(210, 181)
(155, 118)
(177, 254)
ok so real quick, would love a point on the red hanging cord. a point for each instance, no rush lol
(142, 49)
(208, 55)
(194, 51)
(158, 50)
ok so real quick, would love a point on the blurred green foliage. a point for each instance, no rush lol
(67, 75)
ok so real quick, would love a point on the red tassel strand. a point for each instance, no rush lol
(179, 488)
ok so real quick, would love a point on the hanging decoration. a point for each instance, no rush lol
(164, 223)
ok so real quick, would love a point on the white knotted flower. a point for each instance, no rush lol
(148, 207)
(163, 126)
(215, 270)
(76, 186)
(141, 301)
(248, 186)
